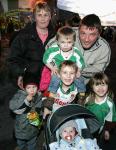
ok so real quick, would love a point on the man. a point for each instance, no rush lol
(94, 48)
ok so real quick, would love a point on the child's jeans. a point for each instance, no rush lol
(55, 81)
(29, 144)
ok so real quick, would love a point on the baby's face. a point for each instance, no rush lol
(68, 134)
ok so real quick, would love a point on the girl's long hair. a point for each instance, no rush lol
(97, 79)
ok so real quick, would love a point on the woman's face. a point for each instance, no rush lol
(42, 19)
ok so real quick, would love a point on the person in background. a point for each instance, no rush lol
(100, 101)
(26, 105)
(95, 49)
(28, 47)
(64, 50)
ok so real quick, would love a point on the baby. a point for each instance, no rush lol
(69, 138)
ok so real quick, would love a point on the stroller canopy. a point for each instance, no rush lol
(73, 111)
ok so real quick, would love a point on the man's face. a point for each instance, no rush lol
(88, 36)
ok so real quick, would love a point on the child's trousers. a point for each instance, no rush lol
(29, 144)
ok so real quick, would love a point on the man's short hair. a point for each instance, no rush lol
(91, 21)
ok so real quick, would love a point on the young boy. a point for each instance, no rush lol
(26, 105)
(69, 138)
(67, 90)
(64, 50)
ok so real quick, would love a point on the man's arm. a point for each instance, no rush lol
(100, 63)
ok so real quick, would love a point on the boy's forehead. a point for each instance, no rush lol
(65, 37)
(68, 69)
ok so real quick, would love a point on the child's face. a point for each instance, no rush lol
(68, 133)
(31, 89)
(65, 43)
(67, 75)
(100, 89)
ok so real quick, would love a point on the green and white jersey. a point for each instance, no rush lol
(104, 110)
(56, 56)
(63, 98)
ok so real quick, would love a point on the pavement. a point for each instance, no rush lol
(7, 140)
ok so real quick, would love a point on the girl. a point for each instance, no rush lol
(100, 102)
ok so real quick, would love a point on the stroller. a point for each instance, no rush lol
(66, 113)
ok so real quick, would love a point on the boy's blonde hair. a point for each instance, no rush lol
(66, 31)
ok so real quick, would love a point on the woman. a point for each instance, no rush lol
(28, 47)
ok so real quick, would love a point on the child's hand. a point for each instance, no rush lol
(46, 112)
(54, 70)
(106, 135)
(29, 97)
(78, 73)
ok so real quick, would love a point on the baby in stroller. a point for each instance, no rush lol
(69, 138)
(71, 127)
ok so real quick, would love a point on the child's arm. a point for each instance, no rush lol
(20, 102)
(47, 104)
(54, 69)
(46, 112)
